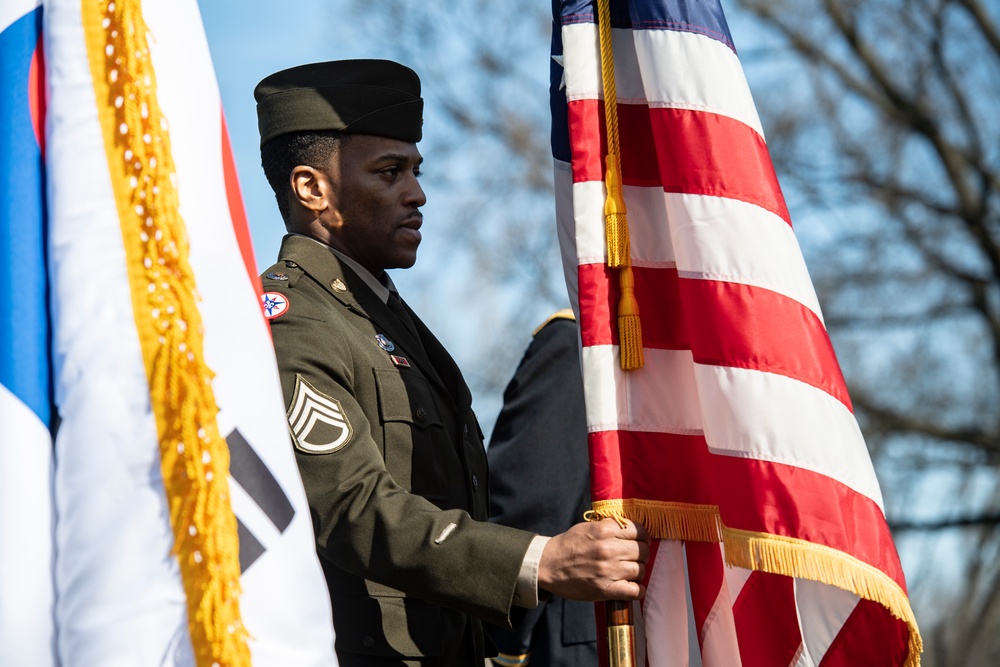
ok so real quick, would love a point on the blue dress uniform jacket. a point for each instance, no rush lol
(540, 481)
(393, 464)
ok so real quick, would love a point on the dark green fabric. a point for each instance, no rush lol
(415, 464)
(377, 97)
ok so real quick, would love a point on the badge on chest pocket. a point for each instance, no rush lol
(318, 422)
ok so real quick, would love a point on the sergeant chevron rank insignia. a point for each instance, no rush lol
(317, 421)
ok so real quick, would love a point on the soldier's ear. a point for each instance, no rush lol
(310, 188)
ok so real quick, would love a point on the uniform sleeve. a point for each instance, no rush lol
(365, 523)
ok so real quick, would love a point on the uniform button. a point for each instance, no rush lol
(421, 414)
(290, 264)
(466, 429)
(368, 641)
(475, 482)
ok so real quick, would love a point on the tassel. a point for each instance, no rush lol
(615, 219)
(629, 327)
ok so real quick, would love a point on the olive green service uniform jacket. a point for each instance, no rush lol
(394, 468)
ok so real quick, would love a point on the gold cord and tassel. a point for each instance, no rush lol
(615, 214)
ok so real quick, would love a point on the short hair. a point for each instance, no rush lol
(283, 153)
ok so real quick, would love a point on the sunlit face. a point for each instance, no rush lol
(375, 199)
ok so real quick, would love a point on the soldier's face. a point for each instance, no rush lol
(375, 201)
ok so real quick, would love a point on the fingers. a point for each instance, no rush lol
(599, 560)
(624, 590)
(631, 531)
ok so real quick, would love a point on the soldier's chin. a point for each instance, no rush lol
(405, 260)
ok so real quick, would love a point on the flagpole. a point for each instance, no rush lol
(617, 613)
(621, 633)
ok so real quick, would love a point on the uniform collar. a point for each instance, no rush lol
(382, 286)
(347, 284)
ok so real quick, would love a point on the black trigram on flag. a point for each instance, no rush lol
(253, 476)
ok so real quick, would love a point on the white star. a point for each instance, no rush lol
(559, 61)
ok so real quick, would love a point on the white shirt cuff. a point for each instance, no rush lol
(526, 590)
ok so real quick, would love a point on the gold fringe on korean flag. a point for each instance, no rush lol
(764, 552)
(615, 214)
(194, 456)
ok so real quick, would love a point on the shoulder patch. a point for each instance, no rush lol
(317, 422)
(274, 304)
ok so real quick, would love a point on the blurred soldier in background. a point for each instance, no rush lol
(540, 482)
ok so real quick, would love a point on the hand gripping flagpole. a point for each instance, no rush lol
(615, 220)
(618, 614)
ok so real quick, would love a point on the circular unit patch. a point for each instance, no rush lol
(274, 304)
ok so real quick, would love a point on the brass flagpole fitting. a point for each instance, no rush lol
(621, 633)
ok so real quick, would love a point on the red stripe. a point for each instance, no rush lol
(723, 324)
(869, 626)
(680, 150)
(236, 210)
(767, 624)
(706, 577)
(36, 94)
(754, 495)
(660, 307)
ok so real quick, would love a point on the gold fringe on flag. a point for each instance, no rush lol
(615, 214)
(194, 456)
(764, 552)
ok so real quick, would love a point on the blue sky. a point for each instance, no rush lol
(247, 45)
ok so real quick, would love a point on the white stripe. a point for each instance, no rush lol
(720, 647)
(566, 230)
(822, 610)
(770, 417)
(12, 10)
(27, 591)
(746, 413)
(655, 67)
(736, 577)
(712, 238)
(729, 240)
(661, 397)
(665, 609)
(648, 225)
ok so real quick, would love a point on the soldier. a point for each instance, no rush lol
(389, 449)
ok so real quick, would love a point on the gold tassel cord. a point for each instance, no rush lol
(615, 213)
(764, 552)
(194, 456)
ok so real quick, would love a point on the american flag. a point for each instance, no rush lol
(736, 443)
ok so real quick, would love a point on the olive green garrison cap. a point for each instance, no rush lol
(378, 97)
